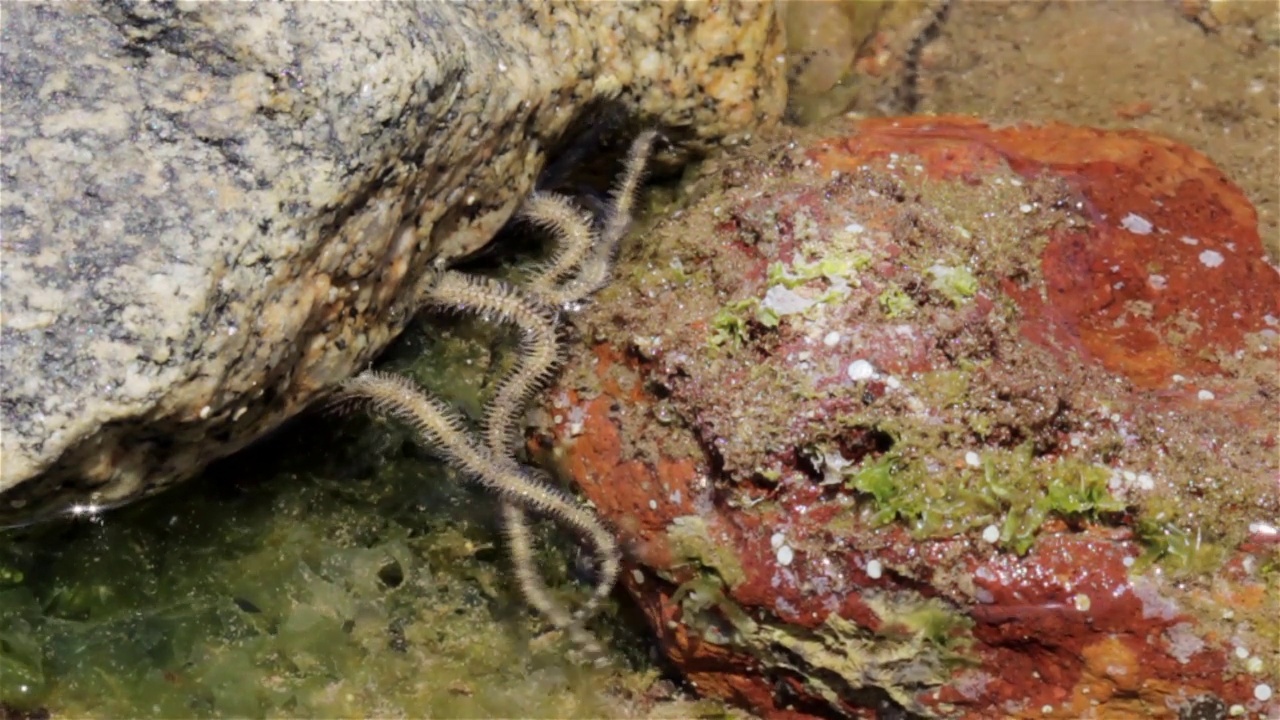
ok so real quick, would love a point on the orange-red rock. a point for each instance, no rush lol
(1092, 273)
(924, 415)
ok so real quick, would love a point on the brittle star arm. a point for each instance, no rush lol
(573, 230)
(442, 427)
(444, 289)
(515, 523)
(538, 356)
(571, 227)
(576, 243)
(495, 464)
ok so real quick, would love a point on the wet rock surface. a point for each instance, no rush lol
(1202, 72)
(212, 213)
(1114, 66)
(923, 415)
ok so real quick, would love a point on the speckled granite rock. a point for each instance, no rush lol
(921, 415)
(212, 211)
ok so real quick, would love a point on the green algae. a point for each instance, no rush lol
(691, 542)
(707, 610)
(934, 623)
(1174, 547)
(956, 284)
(334, 570)
(832, 266)
(895, 303)
(1011, 489)
(730, 325)
(921, 643)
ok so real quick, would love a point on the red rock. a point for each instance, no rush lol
(1170, 186)
(820, 389)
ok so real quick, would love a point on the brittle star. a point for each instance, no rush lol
(580, 265)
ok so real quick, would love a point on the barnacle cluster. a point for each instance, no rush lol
(580, 265)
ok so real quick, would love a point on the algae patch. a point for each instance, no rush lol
(1010, 489)
(692, 543)
(895, 303)
(921, 643)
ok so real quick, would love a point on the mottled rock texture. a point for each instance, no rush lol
(212, 212)
(924, 415)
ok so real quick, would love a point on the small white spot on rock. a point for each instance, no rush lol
(991, 534)
(1262, 528)
(861, 370)
(1183, 642)
(854, 228)
(831, 339)
(1136, 224)
(1024, 208)
(1211, 258)
(1082, 602)
(205, 412)
(638, 576)
(1262, 692)
(785, 555)
(1242, 652)
(776, 541)
(577, 421)
(874, 569)
(653, 504)
(1187, 239)
(785, 301)
(1158, 282)
(972, 460)
(1205, 395)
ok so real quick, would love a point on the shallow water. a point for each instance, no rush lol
(337, 569)
(333, 569)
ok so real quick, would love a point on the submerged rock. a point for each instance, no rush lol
(214, 212)
(958, 420)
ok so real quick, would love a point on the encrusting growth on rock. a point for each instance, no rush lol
(580, 265)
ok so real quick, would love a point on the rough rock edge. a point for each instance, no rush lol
(240, 128)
